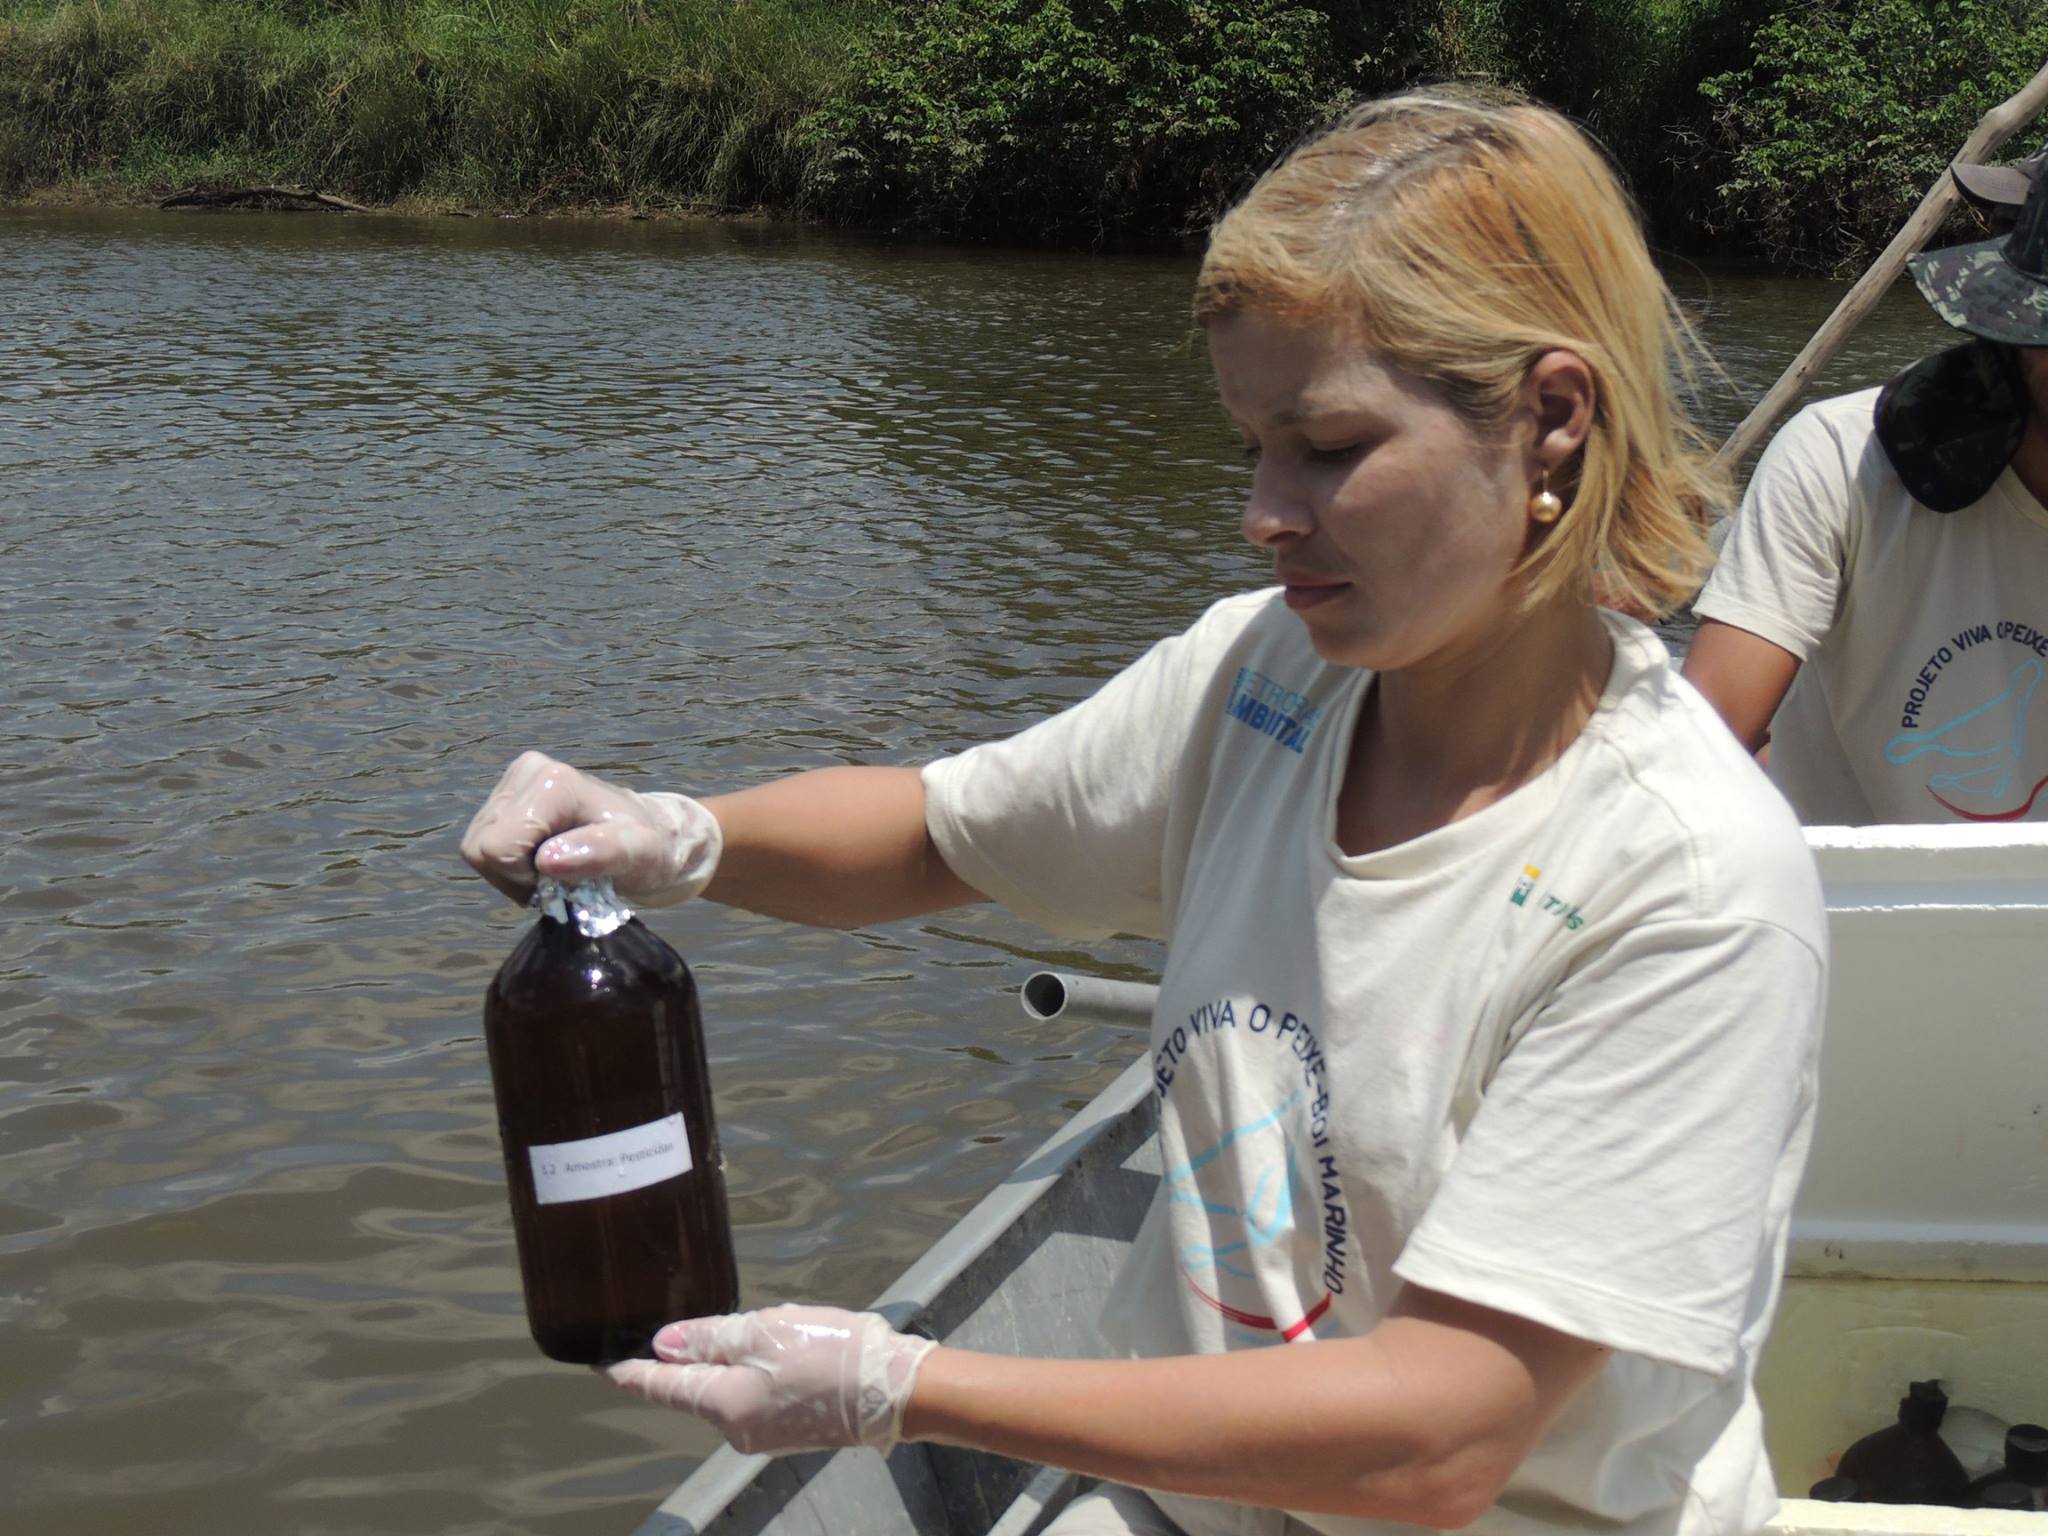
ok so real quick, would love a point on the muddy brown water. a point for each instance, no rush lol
(308, 524)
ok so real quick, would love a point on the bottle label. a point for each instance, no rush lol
(610, 1164)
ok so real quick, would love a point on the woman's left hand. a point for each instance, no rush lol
(785, 1379)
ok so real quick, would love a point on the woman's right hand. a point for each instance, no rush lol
(548, 818)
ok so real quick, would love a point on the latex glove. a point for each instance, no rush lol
(657, 849)
(785, 1379)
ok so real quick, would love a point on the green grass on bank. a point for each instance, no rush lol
(509, 103)
(1799, 130)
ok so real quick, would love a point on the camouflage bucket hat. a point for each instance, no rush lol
(1997, 289)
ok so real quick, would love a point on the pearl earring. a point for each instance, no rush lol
(1544, 506)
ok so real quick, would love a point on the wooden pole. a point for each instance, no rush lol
(1996, 126)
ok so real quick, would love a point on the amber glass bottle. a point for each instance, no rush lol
(604, 1110)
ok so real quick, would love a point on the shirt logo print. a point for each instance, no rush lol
(1272, 709)
(1260, 1222)
(1985, 745)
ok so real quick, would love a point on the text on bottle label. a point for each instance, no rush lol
(610, 1164)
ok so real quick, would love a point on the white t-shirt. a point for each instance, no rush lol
(1556, 1058)
(1924, 635)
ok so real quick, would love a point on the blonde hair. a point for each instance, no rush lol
(1461, 234)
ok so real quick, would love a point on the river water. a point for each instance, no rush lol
(307, 525)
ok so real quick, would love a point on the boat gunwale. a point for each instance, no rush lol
(708, 1492)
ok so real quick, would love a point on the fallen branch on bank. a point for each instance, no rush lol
(288, 199)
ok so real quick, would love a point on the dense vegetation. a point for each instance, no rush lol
(1800, 129)
(1851, 107)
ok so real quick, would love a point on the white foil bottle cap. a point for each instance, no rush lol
(594, 907)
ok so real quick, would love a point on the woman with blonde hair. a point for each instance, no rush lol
(1484, 1056)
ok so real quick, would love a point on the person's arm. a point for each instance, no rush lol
(1422, 1420)
(836, 847)
(1744, 676)
(1063, 823)
(1779, 584)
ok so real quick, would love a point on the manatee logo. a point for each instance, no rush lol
(1270, 1243)
(1976, 755)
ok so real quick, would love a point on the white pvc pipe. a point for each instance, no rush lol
(1090, 999)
